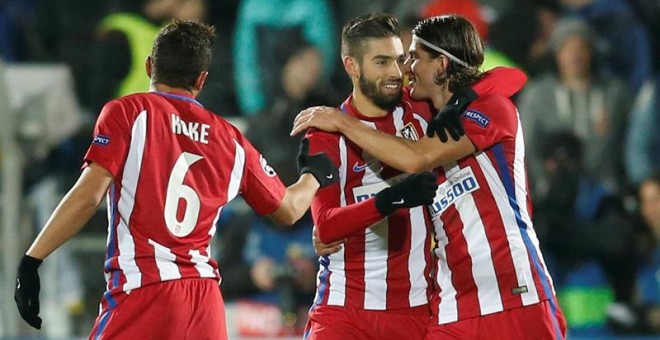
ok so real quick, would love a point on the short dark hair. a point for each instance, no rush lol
(182, 50)
(356, 32)
(457, 36)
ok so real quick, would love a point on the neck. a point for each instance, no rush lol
(365, 106)
(576, 83)
(160, 87)
(440, 97)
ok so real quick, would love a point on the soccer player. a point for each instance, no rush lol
(167, 167)
(382, 272)
(491, 279)
(377, 286)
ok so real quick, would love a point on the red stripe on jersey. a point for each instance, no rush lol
(398, 278)
(460, 262)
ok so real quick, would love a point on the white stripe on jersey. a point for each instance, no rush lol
(201, 263)
(236, 172)
(516, 244)
(448, 308)
(111, 232)
(418, 251)
(422, 123)
(212, 230)
(376, 240)
(397, 119)
(520, 181)
(337, 291)
(165, 261)
(127, 202)
(483, 269)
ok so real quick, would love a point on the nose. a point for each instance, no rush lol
(397, 71)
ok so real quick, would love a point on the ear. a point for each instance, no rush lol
(351, 66)
(201, 79)
(443, 64)
(147, 66)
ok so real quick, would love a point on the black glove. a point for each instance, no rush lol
(319, 165)
(27, 289)
(449, 117)
(416, 189)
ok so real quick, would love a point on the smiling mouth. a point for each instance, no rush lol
(393, 86)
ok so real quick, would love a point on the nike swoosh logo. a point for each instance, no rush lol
(329, 176)
(357, 167)
(399, 202)
(18, 284)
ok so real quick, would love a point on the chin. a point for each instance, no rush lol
(414, 93)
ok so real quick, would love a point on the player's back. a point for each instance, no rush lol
(181, 165)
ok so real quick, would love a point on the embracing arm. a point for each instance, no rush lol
(337, 223)
(400, 153)
(75, 209)
(296, 201)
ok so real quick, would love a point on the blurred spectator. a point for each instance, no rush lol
(578, 221)
(271, 277)
(469, 9)
(522, 33)
(648, 278)
(260, 25)
(624, 42)
(123, 43)
(17, 35)
(219, 93)
(643, 141)
(649, 11)
(574, 98)
(65, 33)
(297, 65)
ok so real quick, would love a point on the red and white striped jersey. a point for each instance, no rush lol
(386, 266)
(488, 255)
(175, 166)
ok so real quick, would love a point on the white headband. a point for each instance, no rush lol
(416, 39)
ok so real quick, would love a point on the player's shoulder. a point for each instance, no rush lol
(493, 103)
(320, 136)
(422, 107)
(131, 102)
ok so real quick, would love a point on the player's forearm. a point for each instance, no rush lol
(67, 220)
(335, 224)
(399, 153)
(297, 199)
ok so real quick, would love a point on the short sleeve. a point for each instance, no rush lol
(490, 120)
(261, 188)
(112, 138)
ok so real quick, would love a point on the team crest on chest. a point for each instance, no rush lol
(409, 132)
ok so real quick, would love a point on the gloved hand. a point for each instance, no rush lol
(319, 165)
(27, 289)
(416, 189)
(449, 117)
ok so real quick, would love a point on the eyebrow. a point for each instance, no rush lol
(387, 57)
(383, 56)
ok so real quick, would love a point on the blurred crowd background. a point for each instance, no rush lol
(590, 111)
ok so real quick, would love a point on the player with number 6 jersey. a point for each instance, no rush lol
(167, 167)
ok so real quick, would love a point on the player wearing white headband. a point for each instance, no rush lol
(491, 280)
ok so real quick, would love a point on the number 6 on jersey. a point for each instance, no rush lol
(176, 190)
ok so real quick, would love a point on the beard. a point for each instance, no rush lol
(371, 91)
